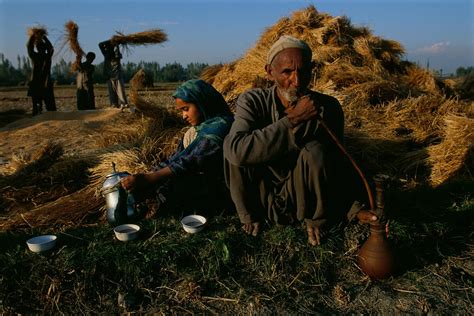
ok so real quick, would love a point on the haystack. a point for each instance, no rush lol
(346, 56)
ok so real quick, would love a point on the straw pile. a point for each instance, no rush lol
(455, 152)
(350, 61)
(153, 36)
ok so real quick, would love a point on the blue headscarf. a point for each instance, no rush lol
(211, 104)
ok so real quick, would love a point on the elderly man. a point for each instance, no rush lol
(280, 163)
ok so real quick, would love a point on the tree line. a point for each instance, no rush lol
(19, 74)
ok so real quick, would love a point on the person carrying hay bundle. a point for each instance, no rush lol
(191, 178)
(40, 50)
(85, 83)
(113, 71)
(85, 70)
(280, 164)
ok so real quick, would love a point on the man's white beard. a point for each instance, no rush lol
(290, 95)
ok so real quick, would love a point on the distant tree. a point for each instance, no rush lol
(193, 70)
(9, 75)
(62, 74)
(173, 72)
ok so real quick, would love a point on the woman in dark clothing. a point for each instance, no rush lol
(193, 175)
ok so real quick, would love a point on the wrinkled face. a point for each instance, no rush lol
(189, 112)
(291, 72)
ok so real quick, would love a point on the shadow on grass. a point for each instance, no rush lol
(429, 224)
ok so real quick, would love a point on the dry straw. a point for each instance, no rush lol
(153, 36)
(71, 38)
(141, 80)
(352, 55)
(67, 211)
(37, 32)
(455, 151)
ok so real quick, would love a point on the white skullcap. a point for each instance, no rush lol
(287, 41)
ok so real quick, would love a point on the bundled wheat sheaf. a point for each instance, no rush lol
(71, 40)
(37, 32)
(153, 36)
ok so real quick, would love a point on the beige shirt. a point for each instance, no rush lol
(189, 136)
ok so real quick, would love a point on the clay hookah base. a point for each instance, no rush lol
(375, 256)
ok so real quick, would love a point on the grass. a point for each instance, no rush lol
(220, 270)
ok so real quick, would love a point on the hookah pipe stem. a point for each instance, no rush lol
(354, 164)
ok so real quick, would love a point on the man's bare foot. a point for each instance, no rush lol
(315, 234)
(251, 228)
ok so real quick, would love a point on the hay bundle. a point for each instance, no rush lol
(72, 31)
(423, 116)
(37, 33)
(70, 210)
(421, 80)
(450, 156)
(153, 150)
(141, 80)
(209, 73)
(153, 36)
(71, 38)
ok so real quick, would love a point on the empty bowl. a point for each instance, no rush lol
(193, 223)
(41, 243)
(126, 232)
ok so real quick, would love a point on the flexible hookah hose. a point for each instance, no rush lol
(354, 164)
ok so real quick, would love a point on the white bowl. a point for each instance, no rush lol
(126, 232)
(41, 243)
(193, 223)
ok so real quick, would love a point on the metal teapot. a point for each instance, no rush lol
(121, 205)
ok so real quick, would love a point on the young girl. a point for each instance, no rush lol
(192, 177)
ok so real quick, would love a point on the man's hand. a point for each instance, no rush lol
(367, 217)
(304, 110)
(315, 234)
(251, 228)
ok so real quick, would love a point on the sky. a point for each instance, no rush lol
(437, 32)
